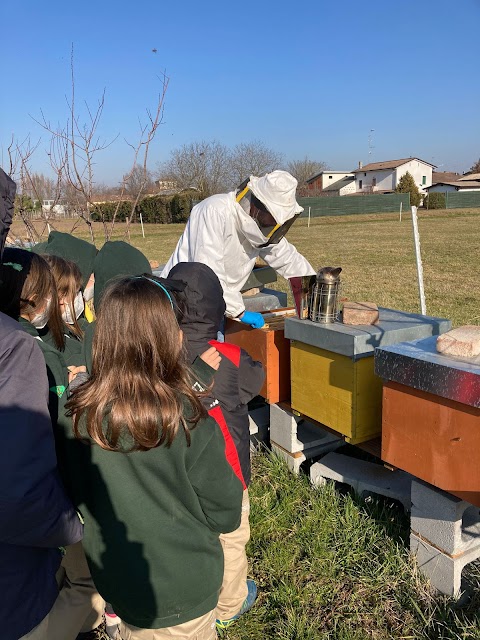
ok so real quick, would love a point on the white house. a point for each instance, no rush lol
(381, 177)
(331, 181)
(458, 185)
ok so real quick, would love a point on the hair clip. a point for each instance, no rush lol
(14, 265)
(167, 293)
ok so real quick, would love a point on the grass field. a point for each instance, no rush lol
(376, 253)
(327, 565)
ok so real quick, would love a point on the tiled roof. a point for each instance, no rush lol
(388, 164)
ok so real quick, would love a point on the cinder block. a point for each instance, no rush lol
(295, 434)
(443, 570)
(449, 523)
(259, 424)
(364, 477)
(295, 460)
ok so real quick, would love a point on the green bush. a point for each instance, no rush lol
(407, 184)
(435, 200)
(181, 205)
(155, 209)
(104, 211)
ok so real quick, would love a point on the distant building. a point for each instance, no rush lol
(383, 177)
(457, 185)
(49, 207)
(332, 182)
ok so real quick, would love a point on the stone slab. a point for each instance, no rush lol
(443, 571)
(266, 300)
(418, 365)
(450, 524)
(360, 341)
(364, 477)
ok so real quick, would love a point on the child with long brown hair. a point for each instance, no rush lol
(68, 280)
(148, 470)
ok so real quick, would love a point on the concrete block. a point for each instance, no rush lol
(449, 523)
(443, 570)
(364, 477)
(259, 424)
(295, 460)
(266, 300)
(295, 434)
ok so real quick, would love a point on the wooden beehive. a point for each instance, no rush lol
(431, 416)
(332, 369)
(271, 348)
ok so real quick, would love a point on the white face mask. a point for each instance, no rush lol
(88, 292)
(40, 320)
(78, 306)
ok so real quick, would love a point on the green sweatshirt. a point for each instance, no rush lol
(152, 521)
(73, 352)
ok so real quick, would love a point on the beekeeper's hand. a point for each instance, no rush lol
(255, 320)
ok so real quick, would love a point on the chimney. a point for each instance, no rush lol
(360, 164)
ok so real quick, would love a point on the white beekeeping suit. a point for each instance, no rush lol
(228, 232)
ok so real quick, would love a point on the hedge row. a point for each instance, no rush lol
(434, 200)
(155, 209)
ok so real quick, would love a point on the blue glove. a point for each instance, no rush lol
(255, 320)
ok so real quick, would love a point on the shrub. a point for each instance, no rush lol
(104, 211)
(435, 200)
(407, 184)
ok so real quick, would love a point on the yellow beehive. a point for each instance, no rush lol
(335, 390)
(332, 368)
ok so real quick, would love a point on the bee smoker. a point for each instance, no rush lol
(324, 295)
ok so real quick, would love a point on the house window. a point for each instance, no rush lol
(424, 179)
(330, 177)
(365, 175)
(374, 182)
(360, 182)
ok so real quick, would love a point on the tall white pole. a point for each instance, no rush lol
(309, 211)
(401, 203)
(141, 222)
(418, 256)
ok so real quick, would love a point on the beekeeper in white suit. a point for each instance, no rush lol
(229, 231)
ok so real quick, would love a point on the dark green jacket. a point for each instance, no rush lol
(71, 248)
(73, 352)
(152, 521)
(57, 373)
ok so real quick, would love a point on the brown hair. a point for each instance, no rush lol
(139, 382)
(68, 280)
(25, 282)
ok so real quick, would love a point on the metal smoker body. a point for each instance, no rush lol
(325, 295)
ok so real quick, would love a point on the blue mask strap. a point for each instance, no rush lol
(167, 293)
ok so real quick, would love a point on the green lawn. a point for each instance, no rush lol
(328, 565)
(376, 253)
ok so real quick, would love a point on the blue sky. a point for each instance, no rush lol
(305, 78)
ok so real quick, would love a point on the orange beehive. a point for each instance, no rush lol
(271, 348)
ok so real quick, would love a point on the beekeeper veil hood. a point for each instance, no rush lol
(270, 202)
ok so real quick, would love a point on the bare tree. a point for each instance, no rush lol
(138, 180)
(304, 169)
(199, 165)
(251, 158)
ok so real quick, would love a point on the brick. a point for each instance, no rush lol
(295, 434)
(463, 342)
(447, 522)
(360, 313)
(364, 477)
(443, 570)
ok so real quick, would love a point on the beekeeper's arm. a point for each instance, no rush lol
(207, 244)
(286, 260)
